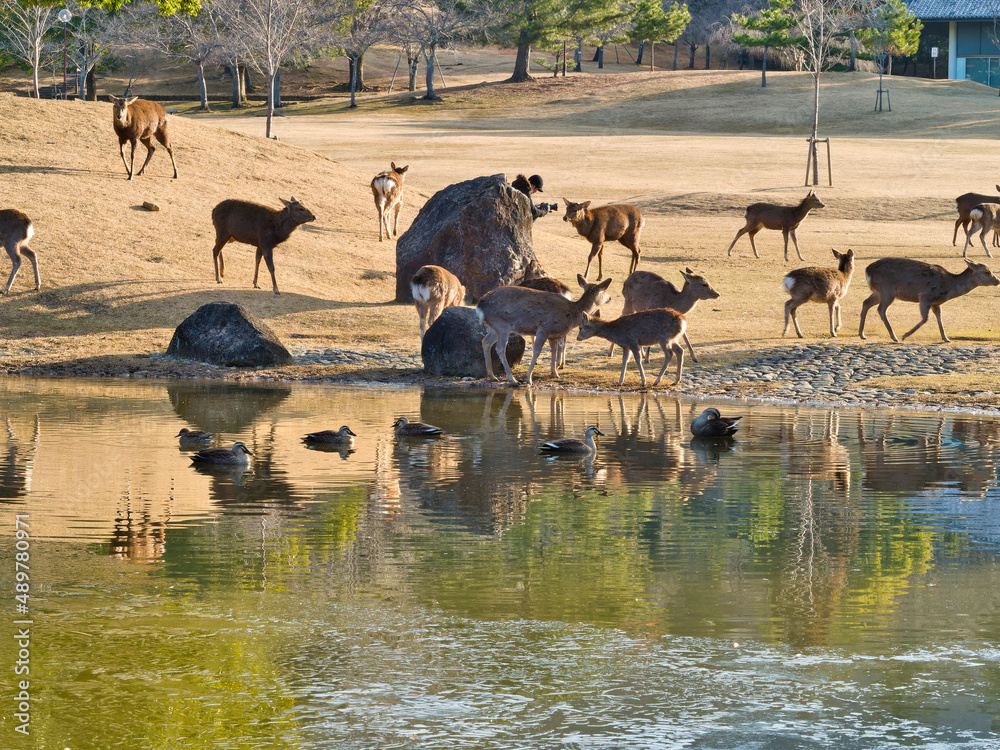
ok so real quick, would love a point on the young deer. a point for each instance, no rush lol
(546, 316)
(549, 284)
(964, 204)
(387, 187)
(645, 328)
(814, 284)
(770, 216)
(915, 281)
(15, 233)
(644, 290)
(620, 222)
(256, 225)
(140, 120)
(434, 288)
(983, 217)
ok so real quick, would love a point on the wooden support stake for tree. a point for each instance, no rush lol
(809, 159)
(398, 60)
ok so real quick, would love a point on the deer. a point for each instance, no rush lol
(618, 221)
(644, 328)
(16, 232)
(435, 288)
(387, 187)
(983, 218)
(544, 315)
(264, 228)
(915, 281)
(644, 290)
(770, 216)
(964, 204)
(536, 278)
(135, 120)
(815, 284)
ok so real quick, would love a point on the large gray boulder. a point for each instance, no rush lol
(222, 333)
(453, 346)
(480, 230)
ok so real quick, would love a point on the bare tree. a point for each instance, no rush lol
(95, 32)
(368, 26)
(23, 34)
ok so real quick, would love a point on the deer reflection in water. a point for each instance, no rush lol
(17, 462)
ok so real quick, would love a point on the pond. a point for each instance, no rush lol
(830, 579)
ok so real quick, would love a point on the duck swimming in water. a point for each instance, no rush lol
(193, 437)
(237, 456)
(573, 445)
(712, 424)
(405, 428)
(343, 436)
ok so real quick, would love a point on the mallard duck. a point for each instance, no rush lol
(712, 424)
(343, 436)
(574, 445)
(237, 456)
(191, 437)
(405, 428)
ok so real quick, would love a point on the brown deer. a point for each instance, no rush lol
(544, 283)
(620, 222)
(544, 315)
(964, 204)
(983, 218)
(434, 288)
(915, 281)
(645, 328)
(814, 284)
(16, 232)
(644, 290)
(387, 187)
(257, 225)
(140, 120)
(770, 216)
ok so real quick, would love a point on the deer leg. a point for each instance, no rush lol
(220, 263)
(882, 307)
(161, 136)
(982, 238)
(739, 234)
(925, 309)
(834, 310)
(636, 351)
(937, 314)
(865, 307)
(554, 349)
(964, 224)
(381, 217)
(753, 244)
(690, 348)
(965, 247)
(121, 150)
(667, 354)
(269, 260)
(488, 340)
(30, 254)
(536, 349)
(796, 243)
(590, 259)
(15, 259)
(395, 219)
(422, 315)
(131, 166)
(150, 148)
(256, 267)
(679, 351)
(790, 307)
(626, 353)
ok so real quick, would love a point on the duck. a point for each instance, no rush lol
(237, 456)
(574, 445)
(405, 428)
(343, 436)
(712, 424)
(190, 437)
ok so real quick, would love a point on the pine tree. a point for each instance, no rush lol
(771, 26)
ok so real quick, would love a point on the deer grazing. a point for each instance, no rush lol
(620, 222)
(264, 228)
(964, 205)
(544, 315)
(645, 328)
(434, 288)
(387, 187)
(644, 290)
(16, 232)
(770, 216)
(814, 284)
(983, 217)
(915, 281)
(140, 120)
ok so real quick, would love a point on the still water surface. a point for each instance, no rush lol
(829, 580)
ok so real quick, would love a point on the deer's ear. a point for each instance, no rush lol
(287, 203)
(849, 253)
(582, 281)
(585, 205)
(402, 170)
(605, 284)
(688, 270)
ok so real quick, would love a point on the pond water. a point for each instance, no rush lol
(829, 580)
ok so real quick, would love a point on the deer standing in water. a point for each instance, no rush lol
(915, 281)
(620, 222)
(770, 216)
(814, 284)
(435, 288)
(387, 187)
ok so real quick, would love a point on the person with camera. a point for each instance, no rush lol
(528, 186)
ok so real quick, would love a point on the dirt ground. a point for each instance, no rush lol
(691, 149)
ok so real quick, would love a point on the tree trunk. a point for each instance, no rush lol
(600, 57)
(91, 95)
(642, 48)
(522, 62)
(354, 81)
(245, 84)
(358, 77)
(852, 65)
(234, 71)
(652, 47)
(411, 66)
(708, 56)
(270, 102)
(676, 47)
(34, 75)
(276, 89)
(578, 57)
(763, 70)
(202, 86)
(431, 54)
(691, 48)
(815, 130)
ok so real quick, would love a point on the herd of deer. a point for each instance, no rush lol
(544, 308)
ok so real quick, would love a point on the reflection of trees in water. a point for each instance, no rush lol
(222, 407)
(138, 535)
(17, 461)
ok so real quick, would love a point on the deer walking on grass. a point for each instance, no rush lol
(264, 228)
(815, 284)
(544, 315)
(770, 216)
(915, 281)
(387, 187)
(435, 288)
(644, 290)
(982, 218)
(16, 232)
(964, 205)
(645, 328)
(619, 221)
(140, 120)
